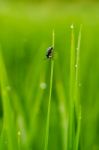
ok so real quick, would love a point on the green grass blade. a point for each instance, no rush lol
(77, 92)
(9, 122)
(3, 140)
(62, 106)
(35, 110)
(72, 86)
(62, 113)
(77, 69)
(50, 96)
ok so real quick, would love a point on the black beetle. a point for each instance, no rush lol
(49, 52)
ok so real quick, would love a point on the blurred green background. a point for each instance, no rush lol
(25, 34)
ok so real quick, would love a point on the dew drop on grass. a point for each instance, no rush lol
(76, 66)
(19, 133)
(77, 48)
(22, 128)
(43, 85)
(72, 26)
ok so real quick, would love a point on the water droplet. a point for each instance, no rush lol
(22, 130)
(43, 85)
(72, 26)
(77, 48)
(19, 133)
(76, 66)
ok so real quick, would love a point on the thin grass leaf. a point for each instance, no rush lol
(62, 107)
(50, 97)
(9, 122)
(3, 140)
(35, 110)
(77, 92)
(72, 87)
(62, 113)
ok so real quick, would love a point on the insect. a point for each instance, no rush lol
(49, 52)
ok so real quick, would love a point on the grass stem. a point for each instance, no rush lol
(50, 97)
(72, 86)
(77, 92)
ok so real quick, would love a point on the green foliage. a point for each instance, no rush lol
(26, 78)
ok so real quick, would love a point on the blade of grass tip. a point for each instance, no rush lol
(72, 86)
(8, 124)
(77, 92)
(50, 96)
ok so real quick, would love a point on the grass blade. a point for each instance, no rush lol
(50, 96)
(62, 113)
(72, 86)
(77, 92)
(9, 122)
